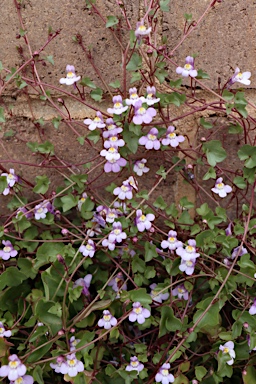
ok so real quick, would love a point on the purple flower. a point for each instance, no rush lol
(71, 77)
(150, 140)
(14, 369)
(134, 365)
(8, 250)
(239, 77)
(59, 362)
(3, 332)
(188, 69)
(143, 221)
(242, 251)
(180, 291)
(113, 141)
(111, 215)
(151, 96)
(140, 168)
(138, 313)
(228, 230)
(88, 249)
(228, 348)
(124, 192)
(117, 233)
(107, 321)
(85, 283)
(133, 97)
(73, 343)
(27, 379)
(111, 153)
(142, 115)
(189, 252)
(118, 284)
(81, 201)
(141, 30)
(22, 211)
(156, 296)
(171, 138)
(97, 122)
(112, 129)
(118, 107)
(220, 188)
(252, 310)
(72, 366)
(114, 165)
(110, 244)
(172, 242)
(187, 266)
(11, 179)
(41, 210)
(163, 376)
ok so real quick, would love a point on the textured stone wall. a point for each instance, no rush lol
(224, 40)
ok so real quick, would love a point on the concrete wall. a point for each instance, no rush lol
(225, 39)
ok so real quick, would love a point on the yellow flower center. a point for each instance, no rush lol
(188, 67)
(190, 249)
(7, 249)
(172, 239)
(141, 165)
(180, 290)
(111, 214)
(239, 75)
(117, 231)
(13, 364)
(152, 137)
(113, 138)
(10, 176)
(138, 310)
(1, 330)
(220, 185)
(117, 105)
(142, 28)
(112, 161)
(142, 218)
(40, 210)
(226, 350)
(71, 362)
(189, 263)
(70, 75)
(19, 380)
(89, 247)
(97, 119)
(150, 96)
(172, 135)
(82, 199)
(106, 317)
(165, 372)
(134, 363)
(111, 126)
(141, 110)
(134, 96)
(124, 188)
(112, 150)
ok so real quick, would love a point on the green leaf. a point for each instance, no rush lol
(42, 313)
(248, 153)
(235, 129)
(140, 295)
(3, 183)
(200, 372)
(228, 96)
(87, 82)
(239, 182)
(215, 152)
(162, 172)
(96, 94)
(115, 84)
(168, 322)
(11, 277)
(50, 59)
(81, 140)
(138, 265)
(136, 76)
(202, 75)
(94, 136)
(250, 377)
(161, 75)
(69, 201)
(42, 184)
(2, 118)
(150, 251)
(135, 62)
(205, 123)
(47, 253)
(111, 21)
(131, 140)
(164, 5)
(188, 17)
(210, 174)
(173, 98)
(176, 83)
(160, 203)
(185, 203)
(38, 374)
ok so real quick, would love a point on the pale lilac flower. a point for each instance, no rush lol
(252, 310)
(220, 188)
(188, 69)
(141, 30)
(134, 365)
(140, 168)
(171, 138)
(242, 251)
(163, 376)
(138, 313)
(27, 379)
(88, 249)
(117, 233)
(114, 165)
(111, 153)
(8, 250)
(239, 77)
(107, 321)
(113, 141)
(111, 215)
(112, 129)
(189, 252)
(228, 348)
(14, 369)
(81, 201)
(143, 221)
(228, 230)
(172, 242)
(85, 283)
(3, 332)
(123, 192)
(71, 77)
(11, 179)
(97, 122)
(72, 366)
(100, 216)
(151, 96)
(126, 248)
(150, 140)
(156, 296)
(187, 266)
(180, 291)
(22, 211)
(110, 244)
(73, 343)
(41, 210)
(118, 284)
(133, 97)
(118, 107)
(143, 115)
(59, 362)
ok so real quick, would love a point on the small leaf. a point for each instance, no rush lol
(205, 123)
(2, 118)
(115, 84)
(164, 5)
(42, 184)
(96, 94)
(86, 81)
(135, 62)
(215, 152)
(202, 75)
(239, 182)
(111, 21)
(50, 59)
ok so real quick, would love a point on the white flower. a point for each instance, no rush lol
(228, 348)
(134, 365)
(72, 366)
(239, 77)
(71, 77)
(88, 249)
(163, 376)
(172, 242)
(110, 154)
(140, 168)
(157, 296)
(97, 122)
(143, 221)
(141, 30)
(220, 188)
(188, 69)
(107, 321)
(139, 313)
